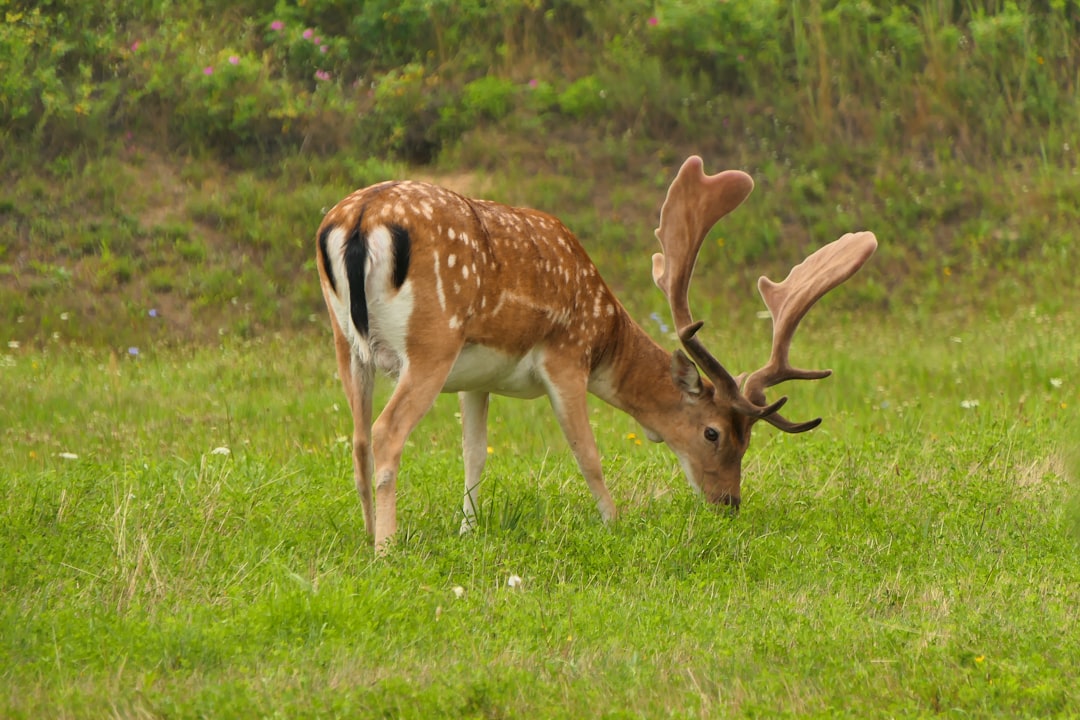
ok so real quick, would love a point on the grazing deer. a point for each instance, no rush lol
(451, 294)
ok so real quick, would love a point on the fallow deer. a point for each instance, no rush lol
(452, 294)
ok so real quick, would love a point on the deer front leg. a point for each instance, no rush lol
(358, 380)
(567, 390)
(474, 416)
(414, 395)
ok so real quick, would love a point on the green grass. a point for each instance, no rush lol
(916, 555)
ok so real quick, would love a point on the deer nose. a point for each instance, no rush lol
(731, 501)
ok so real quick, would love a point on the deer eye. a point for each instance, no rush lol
(711, 434)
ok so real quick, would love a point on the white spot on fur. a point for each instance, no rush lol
(451, 260)
(438, 283)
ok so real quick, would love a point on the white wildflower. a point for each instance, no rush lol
(459, 591)
(514, 581)
(969, 404)
(67, 456)
(220, 451)
(13, 344)
(1056, 382)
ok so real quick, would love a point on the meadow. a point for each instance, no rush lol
(182, 539)
(179, 533)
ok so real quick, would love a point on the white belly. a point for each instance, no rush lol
(481, 368)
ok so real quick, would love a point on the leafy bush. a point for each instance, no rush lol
(583, 98)
(403, 112)
(404, 77)
(489, 98)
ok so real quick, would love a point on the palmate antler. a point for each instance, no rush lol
(695, 202)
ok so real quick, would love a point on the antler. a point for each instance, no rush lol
(695, 202)
(789, 301)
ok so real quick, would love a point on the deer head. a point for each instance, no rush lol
(727, 407)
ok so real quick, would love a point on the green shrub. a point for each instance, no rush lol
(398, 77)
(585, 97)
(403, 114)
(488, 98)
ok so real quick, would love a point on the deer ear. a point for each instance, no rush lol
(685, 374)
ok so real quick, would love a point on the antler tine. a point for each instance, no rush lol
(695, 202)
(788, 302)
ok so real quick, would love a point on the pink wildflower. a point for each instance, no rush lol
(234, 60)
(534, 83)
(208, 70)
(323, 49)
(277, 26)
(322, 75)
(135, 46)
(308, 34)
(654, 21)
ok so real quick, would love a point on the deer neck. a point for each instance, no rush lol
(637, 377)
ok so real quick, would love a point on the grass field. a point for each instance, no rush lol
(919, 554)
(179, 534)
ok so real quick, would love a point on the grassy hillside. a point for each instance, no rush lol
(165, 167)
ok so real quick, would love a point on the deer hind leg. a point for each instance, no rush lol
(416, 390)
(358, 380)
(474, 415)
(567, 390)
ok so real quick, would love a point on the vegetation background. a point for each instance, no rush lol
(164, 168)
